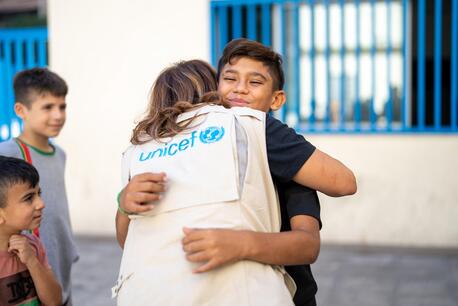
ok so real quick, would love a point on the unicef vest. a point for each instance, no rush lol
(211, 184)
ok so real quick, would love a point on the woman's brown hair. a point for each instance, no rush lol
(182, 87)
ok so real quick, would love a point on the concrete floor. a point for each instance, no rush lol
(346, 275)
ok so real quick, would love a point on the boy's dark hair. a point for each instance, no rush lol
(243, 47)
(37, 81)
(15, 171)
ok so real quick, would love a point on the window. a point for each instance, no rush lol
(356, 66)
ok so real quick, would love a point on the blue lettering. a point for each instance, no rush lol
(150, 155)
(154, 152)
(163, 151)
(193, 136)
(183, 145)
(207, 136)
(170, 149)
(146, 158)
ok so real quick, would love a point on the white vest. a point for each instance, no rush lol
(203, 167)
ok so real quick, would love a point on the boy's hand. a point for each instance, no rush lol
(142, 189)
(213, 247)
(19, 245)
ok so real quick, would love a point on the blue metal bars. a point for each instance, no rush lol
(364, 66)
(421, 65)
(19, 49)
(454, 67)
(437, 64)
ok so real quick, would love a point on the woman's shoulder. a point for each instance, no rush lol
(129, 150)
(246, 111)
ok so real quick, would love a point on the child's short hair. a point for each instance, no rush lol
(243, 47)
(15, 171)
(38, 81)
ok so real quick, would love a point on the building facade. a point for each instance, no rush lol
(110, 52)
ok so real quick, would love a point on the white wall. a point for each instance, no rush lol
(110, 51)
(407, 190)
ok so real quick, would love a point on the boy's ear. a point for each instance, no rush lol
(278, 99)
(20, 109)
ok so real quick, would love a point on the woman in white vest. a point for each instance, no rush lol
(218, 176)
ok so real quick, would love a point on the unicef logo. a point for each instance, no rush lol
(211, 134)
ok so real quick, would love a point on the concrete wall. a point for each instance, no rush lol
(407, 190)
(110, 51)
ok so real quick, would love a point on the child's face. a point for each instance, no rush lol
(247, 82)
(23, 210)
(45, 116)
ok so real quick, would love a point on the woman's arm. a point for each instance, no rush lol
(136, 197)
(122, 226)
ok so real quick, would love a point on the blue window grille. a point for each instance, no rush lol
(364, 66)
(19, 49)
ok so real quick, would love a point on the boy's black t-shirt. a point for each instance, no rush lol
(287, 152)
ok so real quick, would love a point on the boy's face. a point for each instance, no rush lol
(23, 209)
(247, 82)
(45, 116)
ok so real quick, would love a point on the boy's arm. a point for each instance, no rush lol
(299, 244)
(216, 247)
(292, 157)
(48, 289)
(326, 174)
(140, 190)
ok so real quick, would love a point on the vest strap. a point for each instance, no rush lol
(25, 152)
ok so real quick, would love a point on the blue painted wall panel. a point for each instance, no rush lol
(18, 52)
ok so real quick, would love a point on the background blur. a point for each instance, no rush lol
(373, 83)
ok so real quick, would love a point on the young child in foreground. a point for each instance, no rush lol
(25, 275)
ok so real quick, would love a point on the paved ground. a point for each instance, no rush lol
(346, 275)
